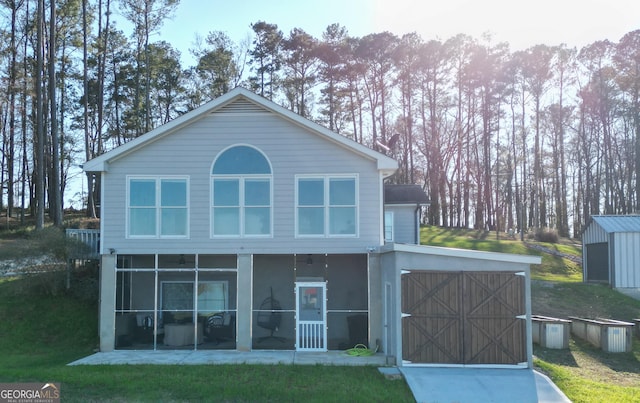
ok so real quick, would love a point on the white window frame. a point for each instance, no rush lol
(158, 206)
(242, 206)
(242, 178)
(327, 207)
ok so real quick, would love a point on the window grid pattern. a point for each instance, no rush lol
(326, 206)
(241, 199)
(157, 207)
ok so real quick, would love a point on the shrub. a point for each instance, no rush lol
(546, 235)
(85, 282)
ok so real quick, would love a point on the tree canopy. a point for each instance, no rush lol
(499, 139)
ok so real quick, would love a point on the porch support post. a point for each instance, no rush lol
(107, 319)
(375, 300)
(245, 296)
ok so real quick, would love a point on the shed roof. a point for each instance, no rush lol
(404, 194)
(617, 223)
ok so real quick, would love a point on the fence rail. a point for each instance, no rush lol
(90, 237)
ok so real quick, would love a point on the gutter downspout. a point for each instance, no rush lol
(416, 233)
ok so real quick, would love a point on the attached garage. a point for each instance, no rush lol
(457, 307)
(610, 251)
(463, 317)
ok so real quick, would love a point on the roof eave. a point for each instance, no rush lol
(463, 253)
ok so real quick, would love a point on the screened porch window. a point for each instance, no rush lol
(177, 297)
(157, 207)
(241, 194)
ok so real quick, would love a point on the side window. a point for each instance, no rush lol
(241, 199)
(388, 226)
(157, 207)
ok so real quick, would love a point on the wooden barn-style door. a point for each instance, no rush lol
(463, 318)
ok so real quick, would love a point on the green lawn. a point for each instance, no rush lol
(553, 268)
(42, 333)
(44, 329)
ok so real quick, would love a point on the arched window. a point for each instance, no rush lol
(241, 195)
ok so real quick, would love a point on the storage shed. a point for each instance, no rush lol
(611, 251)
(454, 307)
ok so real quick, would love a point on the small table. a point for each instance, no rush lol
(180, 334)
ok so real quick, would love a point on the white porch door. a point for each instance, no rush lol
(311, 317)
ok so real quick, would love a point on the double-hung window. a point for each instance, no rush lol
(157, 207)
(326, 206)
(241, 194)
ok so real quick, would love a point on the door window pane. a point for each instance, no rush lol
(177, 296)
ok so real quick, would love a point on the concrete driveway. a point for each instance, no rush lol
(480, 385)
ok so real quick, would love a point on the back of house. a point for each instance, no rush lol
(239, 225)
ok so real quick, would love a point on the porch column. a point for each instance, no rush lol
(245, 293)
(375, 300)
(107, 316)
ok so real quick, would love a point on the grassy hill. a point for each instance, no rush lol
(557, 287)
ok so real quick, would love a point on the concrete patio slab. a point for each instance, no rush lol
(218, 357)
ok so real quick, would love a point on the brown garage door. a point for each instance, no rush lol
(463, 317)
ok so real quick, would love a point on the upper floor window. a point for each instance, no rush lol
(157, 207)
(326, 206)
(241, 196)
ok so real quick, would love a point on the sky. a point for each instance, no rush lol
(521, 24)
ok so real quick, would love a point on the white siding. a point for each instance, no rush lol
(594, 234)
(290, 149)
(626, 260)
(404, 224)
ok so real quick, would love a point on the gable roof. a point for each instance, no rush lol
(404, 194)
(617, 223)
(242, 99)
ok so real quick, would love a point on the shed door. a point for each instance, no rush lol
(463, 318)
(598, 262)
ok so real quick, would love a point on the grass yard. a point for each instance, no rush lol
(45, 328)
(42, 333)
